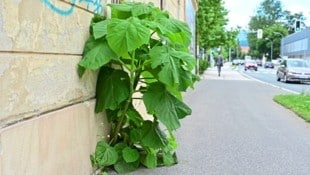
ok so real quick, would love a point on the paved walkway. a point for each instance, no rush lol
(237, 129)
(226, 74)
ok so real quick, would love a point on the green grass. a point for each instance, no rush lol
(300, 104)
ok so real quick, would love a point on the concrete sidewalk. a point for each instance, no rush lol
(227, 73)
(237, 129)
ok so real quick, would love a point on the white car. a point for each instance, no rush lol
(294, 69)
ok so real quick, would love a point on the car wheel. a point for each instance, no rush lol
(285, 79)
(278, 77)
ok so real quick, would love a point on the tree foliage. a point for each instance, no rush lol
(275, 23)
(211, 21)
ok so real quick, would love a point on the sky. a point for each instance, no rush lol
(240, 11)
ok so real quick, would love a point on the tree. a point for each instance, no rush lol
(267, 15)
(276, 23)
(211, 21)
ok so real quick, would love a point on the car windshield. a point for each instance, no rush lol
(298, 63)
(251, 61)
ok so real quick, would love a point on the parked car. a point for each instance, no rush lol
(268, 64)
(250, 64)
(293, 69)
(237, 62)
(259, 62)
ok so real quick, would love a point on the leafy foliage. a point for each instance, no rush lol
(275, 22)
(211, 21)
(210, 25)
(140, 49)
(203, 65)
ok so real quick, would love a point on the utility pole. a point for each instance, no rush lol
(271, 48)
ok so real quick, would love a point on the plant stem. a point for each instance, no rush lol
(128, 102)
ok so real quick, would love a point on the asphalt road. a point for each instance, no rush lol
(269, 76)
(237, 129)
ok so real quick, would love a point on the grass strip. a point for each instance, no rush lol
(300, 104)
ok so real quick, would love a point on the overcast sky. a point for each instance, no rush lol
(240, 11)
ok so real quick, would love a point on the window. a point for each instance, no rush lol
(162, 4)
(115, 1)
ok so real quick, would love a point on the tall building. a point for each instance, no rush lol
(243, 41)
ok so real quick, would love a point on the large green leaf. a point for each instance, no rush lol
(152, 136)
(81, 70)
(163, 56)
(149, 135)
(187, 59)
(166, 107)
(150, 160)
(134, 116)
(170, 73)
(121, 11)
(99, 55)
(123, 167)
(139, 9)
(176, 66)
(160, 55)
(105, 155)
(130, 154)
(90, 44)
(127, 35)
(112, 88)
(154, 26)
(100, 29)
(186, 80)
(169, 158)
(135, 135)
(178, 32)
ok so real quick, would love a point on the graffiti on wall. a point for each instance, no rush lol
(91, 5)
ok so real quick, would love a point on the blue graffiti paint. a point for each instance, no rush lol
(95, 5)
(65, 12)
(92, 5)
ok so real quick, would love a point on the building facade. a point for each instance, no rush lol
(296, 45)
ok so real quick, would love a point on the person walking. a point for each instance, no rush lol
(219, 63)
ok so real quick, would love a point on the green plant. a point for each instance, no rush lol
(139, 50)
(203, 65)
(300, 104)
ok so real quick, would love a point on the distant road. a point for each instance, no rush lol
(269, 76)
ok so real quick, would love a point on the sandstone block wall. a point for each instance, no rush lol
(47, 120)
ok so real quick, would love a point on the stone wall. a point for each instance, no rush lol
(47, 120)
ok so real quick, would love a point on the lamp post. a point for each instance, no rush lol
(282, 36)
(271, 48)
(278, 33)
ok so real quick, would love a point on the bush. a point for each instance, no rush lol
(203, 65)
(141, 53)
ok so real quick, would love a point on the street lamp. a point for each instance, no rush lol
(282, 36)
(278, 33)
(271, 48)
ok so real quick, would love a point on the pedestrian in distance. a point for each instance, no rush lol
(219, 63)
